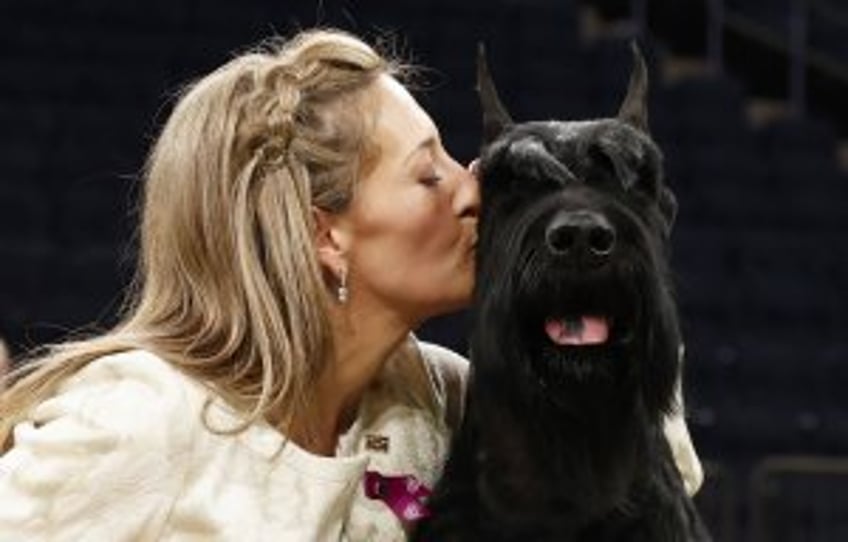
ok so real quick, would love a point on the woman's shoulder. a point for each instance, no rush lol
(132, 393)
(141, 365)
(139, 372)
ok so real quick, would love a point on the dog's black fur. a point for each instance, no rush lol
(564, 442)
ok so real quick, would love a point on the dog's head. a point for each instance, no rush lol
(574, 223)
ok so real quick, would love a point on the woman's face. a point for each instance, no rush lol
(413, 220)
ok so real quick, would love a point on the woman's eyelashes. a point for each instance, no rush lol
(431, 180)
(429, 176)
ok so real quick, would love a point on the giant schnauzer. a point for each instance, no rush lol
(574, 342)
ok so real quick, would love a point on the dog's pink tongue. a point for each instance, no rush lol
(579, 331)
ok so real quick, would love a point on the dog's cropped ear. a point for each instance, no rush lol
(495, 117)
(634, 108)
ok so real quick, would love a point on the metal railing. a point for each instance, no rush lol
(795, 43)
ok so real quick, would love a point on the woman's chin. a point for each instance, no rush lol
(459, 302)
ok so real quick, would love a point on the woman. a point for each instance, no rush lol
(300, 219)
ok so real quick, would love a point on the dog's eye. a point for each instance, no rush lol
(647, 181)
(607, 171)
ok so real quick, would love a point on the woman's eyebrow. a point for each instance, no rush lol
(428, 142)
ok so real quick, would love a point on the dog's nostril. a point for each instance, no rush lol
(601, 240)
(563, 238)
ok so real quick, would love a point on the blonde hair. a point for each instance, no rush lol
(229, 289)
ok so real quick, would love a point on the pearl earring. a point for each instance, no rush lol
(342, 291)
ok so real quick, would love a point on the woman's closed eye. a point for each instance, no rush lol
(430, 180)
(429, 176)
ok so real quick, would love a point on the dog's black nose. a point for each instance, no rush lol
(582, 234)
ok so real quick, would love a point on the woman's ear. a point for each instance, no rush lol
(332, 240)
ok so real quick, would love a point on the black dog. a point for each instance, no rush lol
(575, 339)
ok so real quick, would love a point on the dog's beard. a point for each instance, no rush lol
(589, 391)
(579, 327)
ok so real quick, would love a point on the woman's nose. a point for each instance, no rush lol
(474, 168)
(467, 197)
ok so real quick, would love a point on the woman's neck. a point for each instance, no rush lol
(363, 340)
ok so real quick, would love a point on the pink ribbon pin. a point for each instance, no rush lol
(404, 495)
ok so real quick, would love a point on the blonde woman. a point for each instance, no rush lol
(300, 219)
